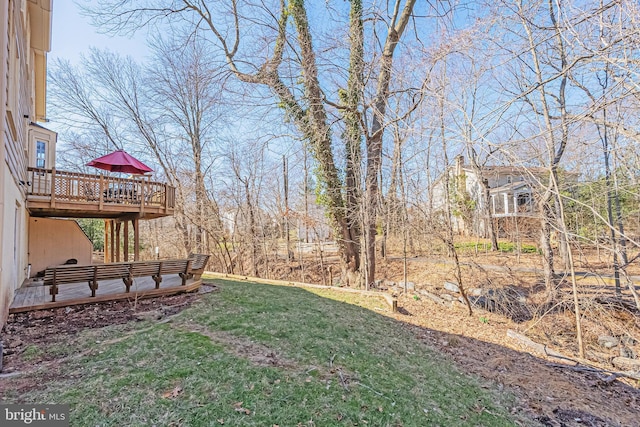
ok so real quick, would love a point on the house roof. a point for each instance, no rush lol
(487, 171)
(509, 188)
(40, 126)
(506, 170)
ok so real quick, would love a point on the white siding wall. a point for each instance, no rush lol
(14, 245)
(16, 111)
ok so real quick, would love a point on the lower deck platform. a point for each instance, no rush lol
(36, 297)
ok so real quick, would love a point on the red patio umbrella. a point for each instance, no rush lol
(120, 161)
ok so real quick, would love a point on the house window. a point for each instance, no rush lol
(509, 179)
(42, 147)
(524, 202)
(41, 154)
(498, 204)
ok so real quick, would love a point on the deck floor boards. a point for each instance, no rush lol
(33, 296)
(20, 297)
(29, 298)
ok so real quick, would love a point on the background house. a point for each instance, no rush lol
(511, 196)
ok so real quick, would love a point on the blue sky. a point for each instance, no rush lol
(73, 35)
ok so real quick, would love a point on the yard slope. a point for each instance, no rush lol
(263, 355)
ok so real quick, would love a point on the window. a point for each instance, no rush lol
(42, 147)
(524, 202)
(41, 154)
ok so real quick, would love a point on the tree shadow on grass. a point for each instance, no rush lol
(552, 395)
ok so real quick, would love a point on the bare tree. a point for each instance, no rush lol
(179, 107)
(302, 98)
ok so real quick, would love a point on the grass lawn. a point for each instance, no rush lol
(263, 355)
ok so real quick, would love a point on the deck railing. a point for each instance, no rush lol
(65, 186)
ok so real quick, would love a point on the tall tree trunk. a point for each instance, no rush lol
(447, 235)
(556, 145)
(374, 140)
(201, 193)
(563, 241)
(395, 205)
(252, 229)
(287, 232)
(313, 124)
(609, 200)
(545, 245)
(352, 136)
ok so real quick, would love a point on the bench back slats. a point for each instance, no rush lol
(199, 262)
(111, 271)
(96, 272)
(68, 274)
(174, 266)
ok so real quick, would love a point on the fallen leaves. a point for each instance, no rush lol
(173, 393)
(238, 408)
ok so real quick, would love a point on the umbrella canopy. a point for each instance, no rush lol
(120, 161)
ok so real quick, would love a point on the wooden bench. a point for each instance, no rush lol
(126, 271)
(198, 264)
(54, 276)
(155, 269)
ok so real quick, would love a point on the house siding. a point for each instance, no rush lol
(63, 234)
(20, 105)
(14, 243)
(5, 291)
(17, 109)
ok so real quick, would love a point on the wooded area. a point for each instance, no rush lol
(287, 124)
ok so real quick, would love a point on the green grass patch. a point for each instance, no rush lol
(32, 352)
(502, 246)
(263, 355)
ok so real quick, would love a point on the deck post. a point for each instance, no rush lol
(136, 240)
(126, 241)
(112, 242)
(118, 226)
(166, 198)
(53, 187)
(143, 195)
(107, 225)
(101, 193)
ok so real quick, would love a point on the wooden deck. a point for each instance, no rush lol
(55, 193)
(30, 297)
